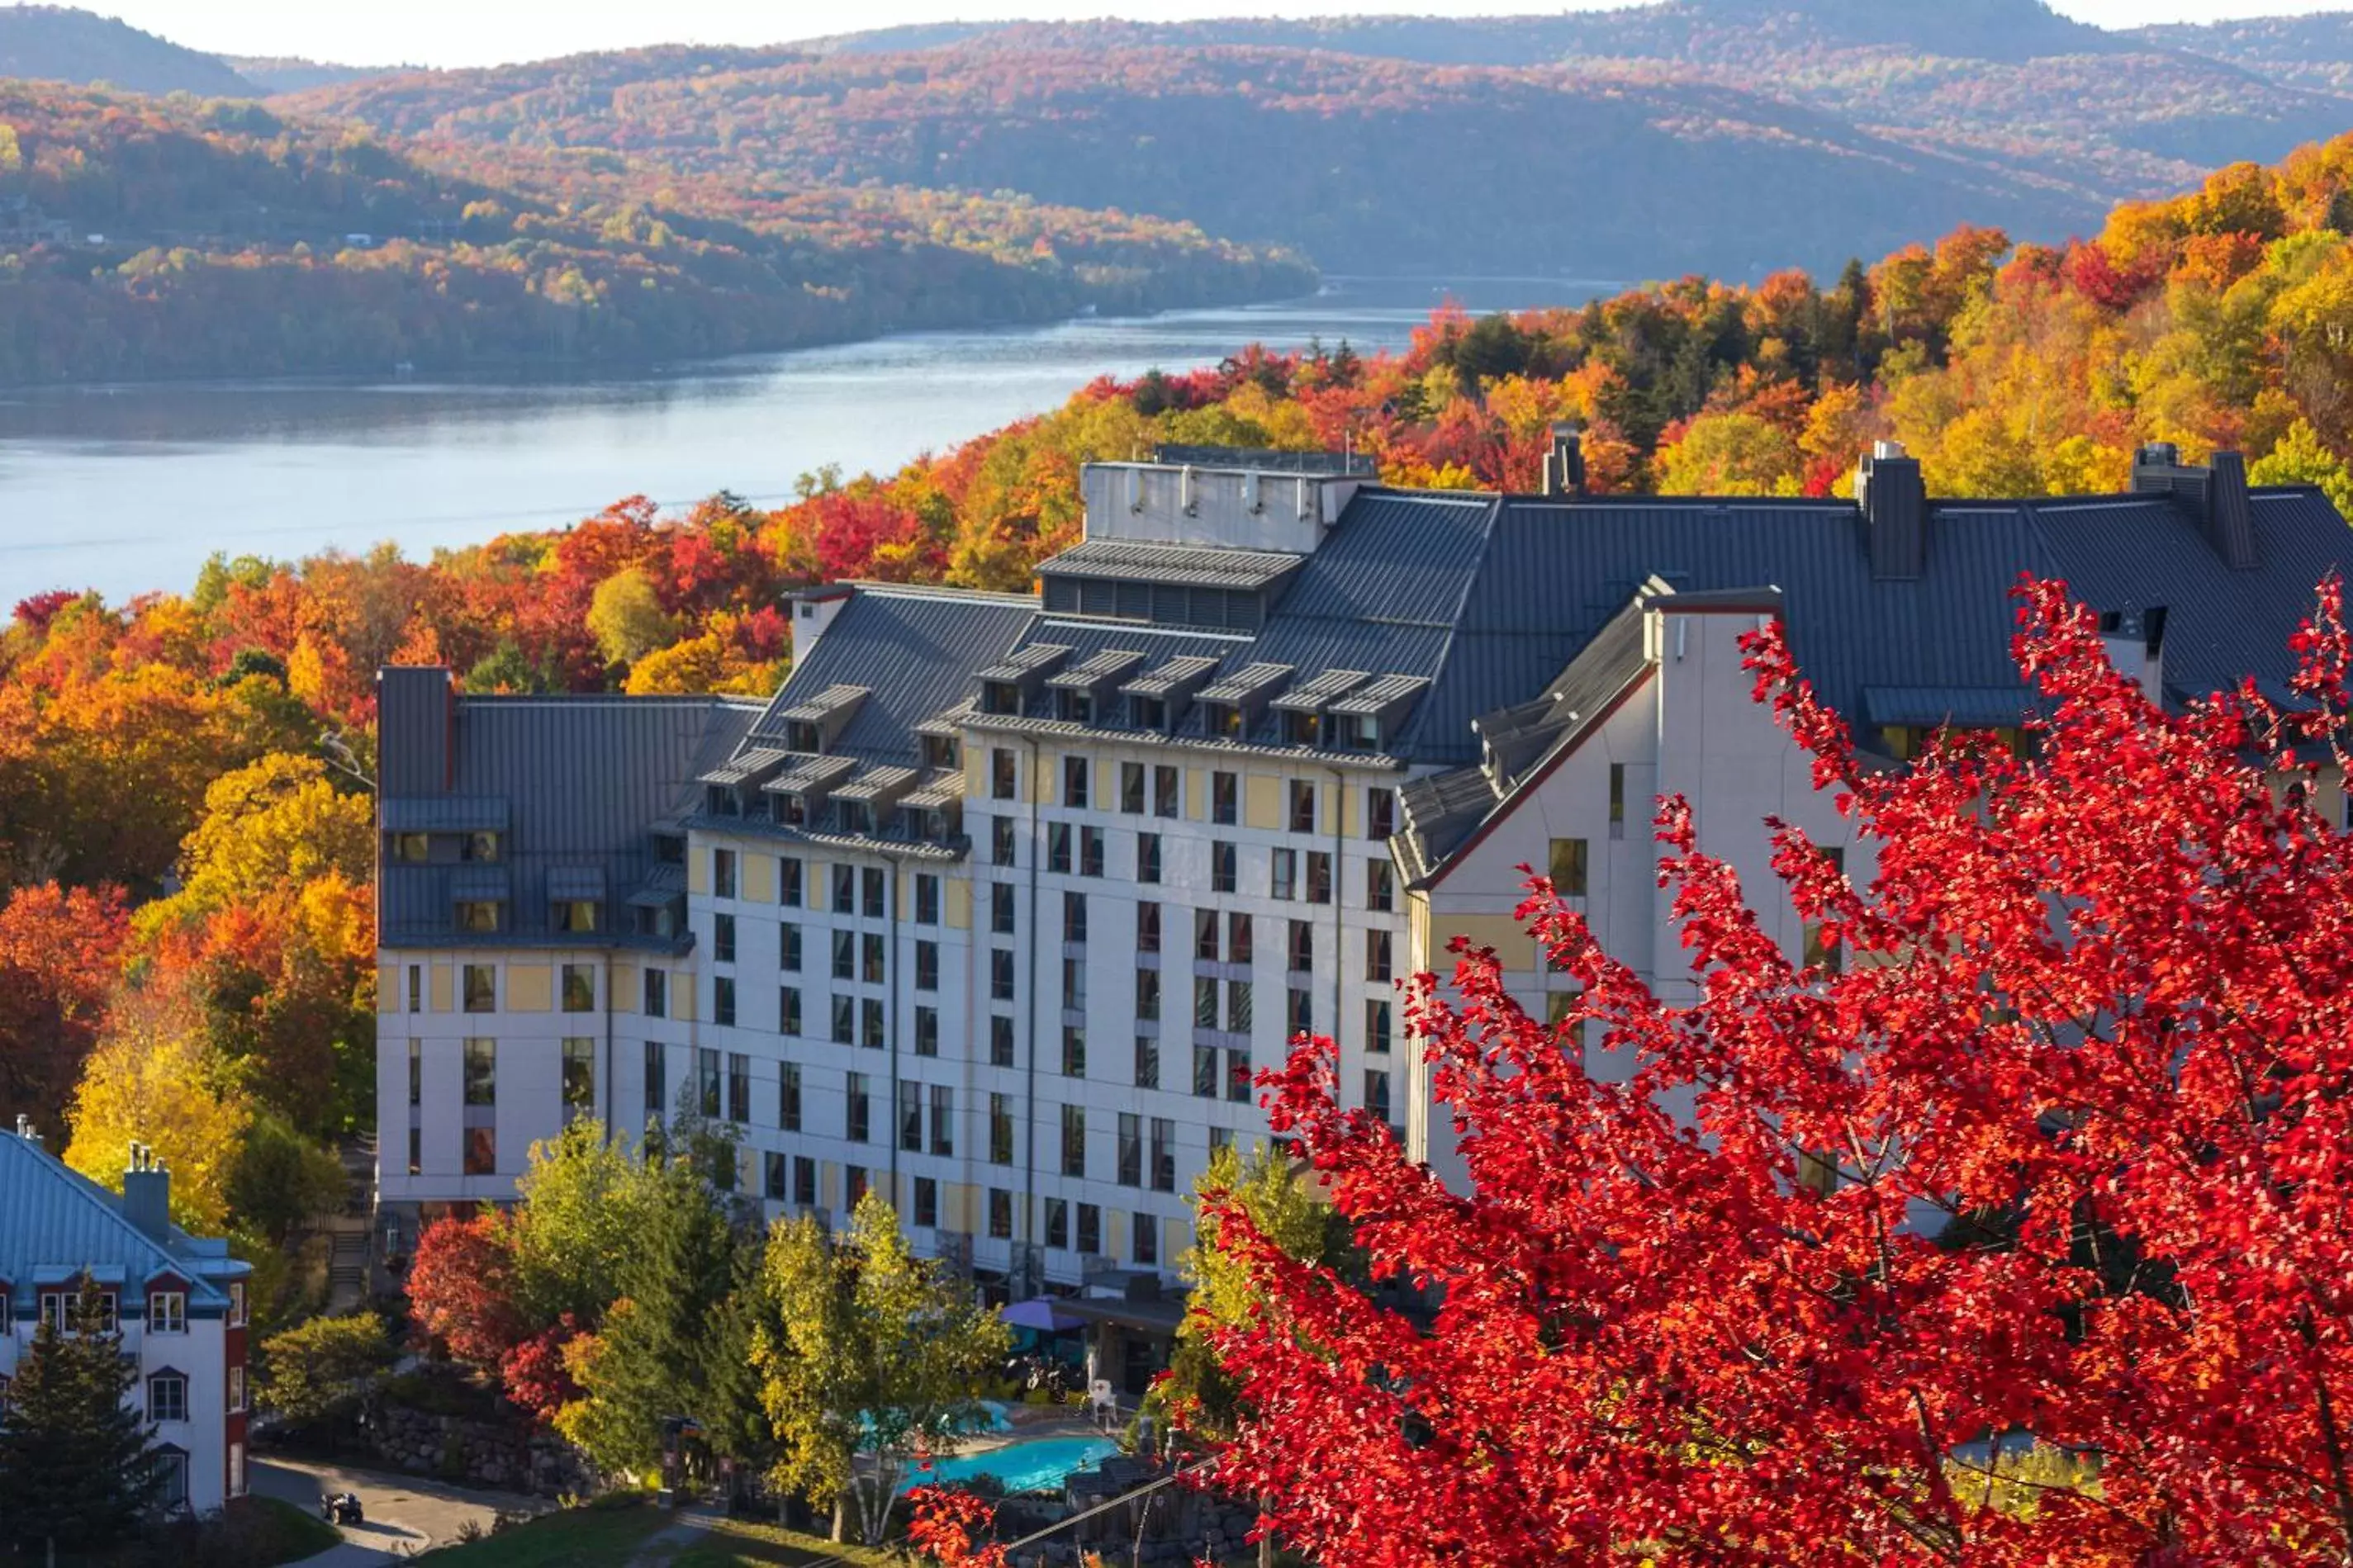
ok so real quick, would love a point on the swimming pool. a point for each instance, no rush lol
(1040, 1464)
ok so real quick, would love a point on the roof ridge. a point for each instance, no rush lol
(940, 591)
(95, 1195)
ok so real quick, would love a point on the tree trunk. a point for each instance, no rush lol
(1265, 1545)
(841, 1516)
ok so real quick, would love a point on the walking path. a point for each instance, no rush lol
(406, 1514)
(689, 1525)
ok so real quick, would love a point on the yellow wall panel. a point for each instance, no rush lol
(1115, 1233)
(1196, 794)
(531, 988)
(828, 1186)
(627, 994)
(683, 994)
(390, 997)
(759, 879)
(698, 871)
(976, 772)
(1263, 801)
(1515, 946)
(1175, 1235)
(958, 913)
(1352, 811)
(444, 989)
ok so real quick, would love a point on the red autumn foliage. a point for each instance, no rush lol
(946, 1524)
(461, 1290)
(58, 949)
(533, 1373)
(2083, 1081)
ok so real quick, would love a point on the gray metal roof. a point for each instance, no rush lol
(55, 1222)
(823, 705)
(480, 884)
(882, 785)
(1023, 663)
(1181, 674)
(755, 762)
(1185, 565)
(1096, 670)
(1252, 680)
(445, 814)
(813, 775)
(1311, 696)
(574, 884)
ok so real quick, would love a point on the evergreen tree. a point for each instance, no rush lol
(76, 1472)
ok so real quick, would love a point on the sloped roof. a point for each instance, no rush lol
(55, 1221)
(1185, 565)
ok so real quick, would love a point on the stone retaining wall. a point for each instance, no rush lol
(512, 1456)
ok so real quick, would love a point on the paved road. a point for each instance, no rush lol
(406, 1514)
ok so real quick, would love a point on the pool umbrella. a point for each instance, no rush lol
(1043, 1314)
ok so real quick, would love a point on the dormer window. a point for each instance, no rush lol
(1225, 719)
(942, 751)
(1078, 706)
(854, 816)
(669, 848)
(412, 848)
(800, 735)
(482, 848)
(576, 917)
(1359, 731)
(1001, 697)
(478, 915)
(1149, 713)
(792, 810)
(1302, 729)
(723, 802)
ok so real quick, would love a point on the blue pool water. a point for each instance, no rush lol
(1039, 1465)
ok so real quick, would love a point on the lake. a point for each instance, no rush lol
(126, 489)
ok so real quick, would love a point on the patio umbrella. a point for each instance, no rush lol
(1042, 1313)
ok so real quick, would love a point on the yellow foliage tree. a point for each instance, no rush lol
(155, 1080)
(276, 825)
(627, 619)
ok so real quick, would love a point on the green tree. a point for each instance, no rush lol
(2301, 457)
(872, 1351)
(76, 1472)
(324, 1367)
(627, 619)
(588, 1209)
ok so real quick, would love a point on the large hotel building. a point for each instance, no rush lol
(999, 903)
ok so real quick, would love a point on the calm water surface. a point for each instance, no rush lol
(128, 488)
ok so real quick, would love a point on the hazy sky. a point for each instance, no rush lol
(487, 32)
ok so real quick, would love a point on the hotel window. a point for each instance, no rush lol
(1819, 953)
(1000, 1041)
(871, 1034)
(722, 1001)
(169, 1464)
(910, 1116)
(789, 1009)
(167, 1400)
(1074, 781)
(1074, 917)
(927, 1201)
(482, 1151)
(1146, 1233)
(657, 993)
(481, 1072)
(1000, 909)
(1558, 1005)
(844, 1021)
(853, 1184)
(1238, 1075)
(1205, 1072)
(481, 988)
(1380, 813)
(1148, 928)
(877, 888)
(1147, 857)
(788, 1097)
(788, 947)
(1319, 875)
(415, 1152)
(1058, 1223)
(479, 848)
(788, 880)
(1147, 1062)
(1058, 847)
(167, 1311)
(237, 1304)
(1000, 974)
(1300, 953)
(1299, 1013)
(1074, 1141)
(1205, 1003)
(1131, 788)
(1167, 792)
(579, 988)
(804, 1181)
(1566, 864)
(772, 1185)
(237, 1388)
(1225, 796)
(1303, 806)
(412, 848)
(1000, 1214)
(657, 1070)
(1074, 1051)
(723, 873)
(706, 1083)
(927, 966)
(856, 1107)
(1380, 887)
(1001, 841)
(1223, 868)
(1380, 960)
(1239, 948)
(416, 1073)
(1240, 1008)
(1377, 1027)
(417, 988)
(579, 1075)
(1617, 800)
(1091, 851)
(1283, 881)
(927, 899)
(1000, 1129)
(845, 890)
(722, 938)
(943, 1119)
(739, 1088)
(1147, 995)
(1090, 1229)
(872, 954)
(845, 956)
(1074, 983)
(927, 1031)
(1205, 935)
(1130, 1172)
(1164, 1154)
(1376, 1095)
(1001, 776)
(577, 916)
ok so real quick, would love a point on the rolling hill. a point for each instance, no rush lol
(59, 43)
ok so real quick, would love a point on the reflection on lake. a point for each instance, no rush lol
(127, 489)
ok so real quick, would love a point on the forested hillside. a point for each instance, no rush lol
(145, 238)
(60, 43)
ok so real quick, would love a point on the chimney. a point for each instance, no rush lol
(147, 1194)
(813, 613)
(25, 1129)
(1563, 473)
(1895, 503)
(2134, 641)
(2214, 496)
(417, 719)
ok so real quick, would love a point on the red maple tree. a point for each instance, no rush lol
(2019, 1236)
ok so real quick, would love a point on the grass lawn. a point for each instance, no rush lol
(740, 1543)
(574, 1538)
(281, 1532)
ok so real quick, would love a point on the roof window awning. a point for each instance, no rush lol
(443, 813)
(575, 885)
(826, 704)
(748, 767)
(663, 885)
(1311, 696)
(878, 786)
(1382, 699)
(1251, 684)
(1025, 665)
(478, 885)
(1096, 671)
(941, 789)
(1174, 565)
(813, 776)
(1173, 681)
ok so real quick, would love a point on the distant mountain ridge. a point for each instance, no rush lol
(58, 43)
